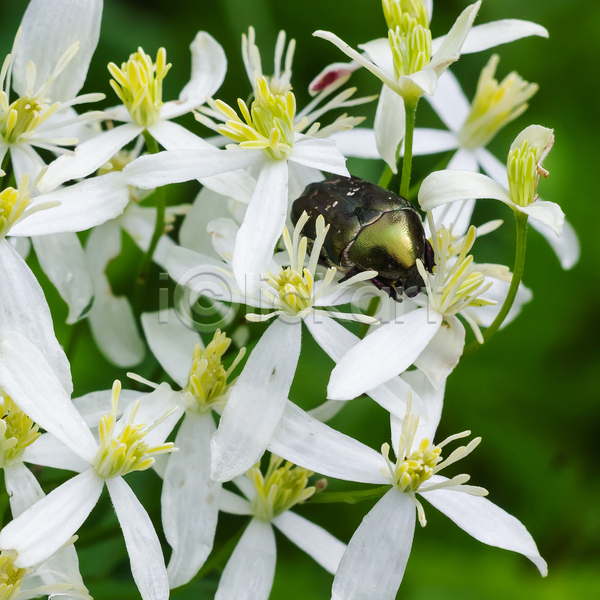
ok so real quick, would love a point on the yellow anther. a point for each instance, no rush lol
(523, 174)
(123, 450)
(138, 84)
(17, 431)
(11, 577)
(208, 377)
(268, 124)
(13, 203)
(495, 104)
(280, 488)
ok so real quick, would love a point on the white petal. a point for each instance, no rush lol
(49, 29)
(257, 401)
(307, 442)
(486, 522)
(383, 354)
(450, 102)
(94, 405)
(156, 170)
(233, 504)
(209, 65)
(314, 540)
(432, 141)
(425, 81)
(374, 562)
(300, 177)
(492, 166)
(238, 185)
(190, 499)
(23, 308)
(380, 53)
(443, 352)
(172, 136)
(49, 451)
(88, 157)
(47, 525)
(450, 48)
(25, 160)
(223, 233)
(21, 245)
(358, 142)
(263, 223)
(535, 135)
(488, 35)
(547, 213)
(336, 340)
(327, 410)
(442, 187)
(143, 546)
(63, 260)
(249, 572)
(566, 246)
(319, 154)
(82, 206)
(29, 380)
(390, 126)
(171, 342)
(22, 487)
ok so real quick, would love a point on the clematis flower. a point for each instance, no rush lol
(47, 68)
(250, 570)
(524, 168)
(376, 557)
(410, 63)
(124, 446)
(138, 84)
(431, 337)
(292, 296)
(471, 127)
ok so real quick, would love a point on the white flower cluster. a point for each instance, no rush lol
(265, 232)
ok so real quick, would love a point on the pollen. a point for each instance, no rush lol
(17, 432)
(268, 124)
(283, 486)
(208, 381)
(139, 83)
(122, 447)
(495, 105)
(11, 577)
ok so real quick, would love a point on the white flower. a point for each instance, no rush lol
(293, 296)
(471, 126)
(524, 168)
(378, 552)
(138, 83)
(430, 337)
(250, 570)
(124, 446)
(48, 67)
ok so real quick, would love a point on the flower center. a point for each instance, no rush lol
(454, 283)
(138, 84)
(408, 34)
(208, 377)
(281, 488)
(123, 449)
(11, 577)
(17, 431)
(495, 104)
(412, 469)
(524, 170)
(268, 125)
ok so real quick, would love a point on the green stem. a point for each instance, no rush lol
(410, 107)
(371, 310)
(413, 192)
(386, 177)
(518, 269)
(349, 497)
(159, 228)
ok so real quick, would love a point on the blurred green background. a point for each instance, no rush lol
(531, 393)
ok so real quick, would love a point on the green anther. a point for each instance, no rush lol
(11, 577)
(495, 105)
(267, 125)
(410, 43)
(522, 173)
(208, 378)
(398, 12)
(138, 84)
(126, 451)
(17, 432)
(279, 489)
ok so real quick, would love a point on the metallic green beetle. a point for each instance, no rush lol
(370, 229)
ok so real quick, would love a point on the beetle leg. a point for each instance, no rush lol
(386, 286)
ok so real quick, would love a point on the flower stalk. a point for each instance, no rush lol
(411, 114)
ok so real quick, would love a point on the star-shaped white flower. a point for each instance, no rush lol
(378, 552)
